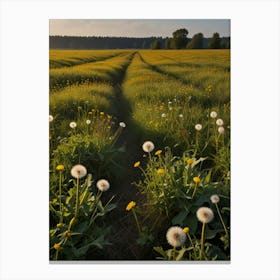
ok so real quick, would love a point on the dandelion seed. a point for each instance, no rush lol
(148, 146)
(175, 236)
(73, 124)
(60, 167)
(219, 122)
(181, 116)
(163, 115)
(50, 118)
(78, 171)
(213, 114)
(88, 122)
(130, 205)
(160, 171)
(56, 246)
(186, 230)
(122, 124)
(221, 129)
(205, 215)
(137, 164)
(196, 180)
(103, 185)
(215, 198)
(158, 152)
(198, 127)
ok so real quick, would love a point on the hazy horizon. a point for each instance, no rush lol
(137, 27)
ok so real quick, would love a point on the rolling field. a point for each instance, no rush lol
(139, 155)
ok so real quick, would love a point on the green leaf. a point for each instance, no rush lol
(161, 252)
(181, 254)
(180, 218)
(208, 177)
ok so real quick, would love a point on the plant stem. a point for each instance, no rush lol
(222, 221)
(136, 220)
(56, 255)
(99, 193)
(202, 241)
(192, 245)
(194, 191)
(174, 253)
(77, 199)
(60, 205)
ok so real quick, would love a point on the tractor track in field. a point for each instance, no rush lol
(124, 230)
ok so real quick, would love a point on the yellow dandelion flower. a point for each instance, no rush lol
(60, 167)
(186, 230)
(56, 246)
(196, 180)
(101, 113)
(90, 113)
(158, 152)
(160, 171)
(130, 205)
(190, 161)
(137, 164)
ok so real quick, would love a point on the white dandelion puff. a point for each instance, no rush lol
(163, 115)
(175, 236)
(215, 198)
(205, 215)
(122, 124)
(50, 118)
(219, 122)
(181, 116)
(148, 146)
(88, 121)
(213, 114)
(221, 129)
(198, 127)
(73, 124)
(103, 185)
(78, 171)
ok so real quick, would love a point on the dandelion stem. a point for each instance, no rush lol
(77, 199)
(222, 221)
(56, 255)
(99, 193)
(174, 253)
(202, 241)
(60, 205)
(192, 244)
(136, 220)
(194, 191)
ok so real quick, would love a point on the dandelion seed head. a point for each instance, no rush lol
(88, 121)
(78, 171)
(181, 116)
(198, 127)
(175, 236)
(221, 129)
(73, 124)
(50, 118)
(148, 146)
(103, 185)
(213, 114)
(215, 198)
(205, 215)
(219, 122)
(122, 124)
(163, 115)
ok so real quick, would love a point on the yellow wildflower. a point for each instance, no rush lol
(196, 180)
(190, 161)
(157, 153)
(56, 246)
(130, 205)
(60, 167)
(101, 113)
(186, 230)
(160, 171)
(137, 164)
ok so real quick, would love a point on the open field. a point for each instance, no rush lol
(140, 143)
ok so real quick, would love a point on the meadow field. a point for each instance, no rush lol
(139, 155)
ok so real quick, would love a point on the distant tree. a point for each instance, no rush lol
(196, 42)
(215, 41)
(167, 43)
(225, 43)
(179, 40)
(155, 45)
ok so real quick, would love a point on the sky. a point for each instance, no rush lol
(138, 27)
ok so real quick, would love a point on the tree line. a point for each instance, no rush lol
(179, 40)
